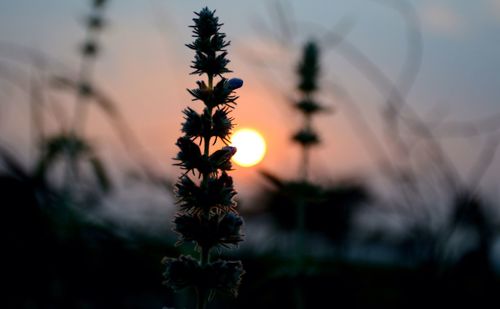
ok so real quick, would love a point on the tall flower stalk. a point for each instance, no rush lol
(205, 192)
(94, 25)
(308, 73)
(304, 190)
(90, 50)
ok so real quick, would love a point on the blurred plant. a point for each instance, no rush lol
(89, 50)
(303, 192)
(58, 151)
(65, 145)
(79, 150)
(40, 217)
(308, 71)
(208, 215)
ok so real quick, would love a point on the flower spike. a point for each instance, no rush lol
(207, 215)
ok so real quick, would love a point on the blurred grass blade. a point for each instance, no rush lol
(101, 175)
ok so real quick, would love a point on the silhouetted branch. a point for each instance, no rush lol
(133, 146)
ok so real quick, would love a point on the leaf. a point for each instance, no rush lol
(273, 179)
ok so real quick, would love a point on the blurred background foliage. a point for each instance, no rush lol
(308, 238)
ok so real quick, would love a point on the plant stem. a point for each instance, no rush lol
(305, 164)
(305, 150)
(301, 229)
(301, 221)
(80, 115)
(205, 251)
(205, 256)
(201, 300)
(210, 82)
(206, 150)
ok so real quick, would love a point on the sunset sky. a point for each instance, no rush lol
(145, 68)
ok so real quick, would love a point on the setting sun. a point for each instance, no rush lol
(251, 147)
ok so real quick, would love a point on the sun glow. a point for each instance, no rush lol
(250, 145)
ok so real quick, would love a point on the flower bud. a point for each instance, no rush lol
(226, 276)
(180, 273)
(222, 125)
(189, 154)
(234, 83)
(221, 159)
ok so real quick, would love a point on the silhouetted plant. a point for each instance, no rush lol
(306, 137)
(89, 50)
(299, 194)
(79, 150)
(308, 71)
(470, 212)
(208, 215)
(302, 191)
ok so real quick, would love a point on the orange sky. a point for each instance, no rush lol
(147, 71)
